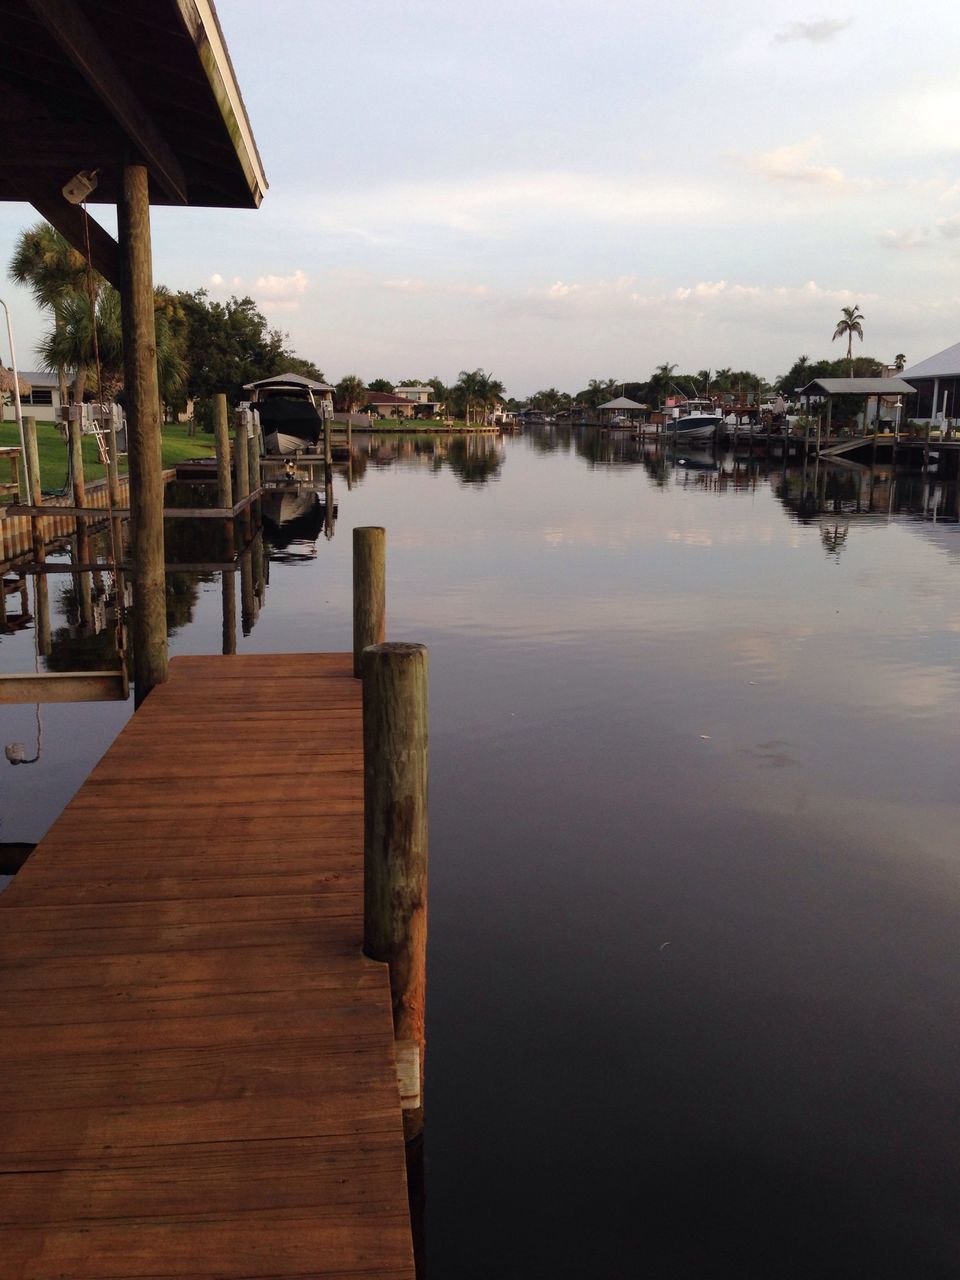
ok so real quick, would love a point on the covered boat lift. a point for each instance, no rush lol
(831, 388)
(622, 405)
(128, 103)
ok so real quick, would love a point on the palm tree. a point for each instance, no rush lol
(55, 273)
(899, 362)
(350, 392)
(848, 325)
(71, 344)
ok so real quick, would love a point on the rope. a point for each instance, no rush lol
(120, 609)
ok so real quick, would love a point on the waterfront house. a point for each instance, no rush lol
(386, 405)
(937, 380)
(41, 401)
(423, 398)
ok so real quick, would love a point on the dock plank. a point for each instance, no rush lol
(199, 1059)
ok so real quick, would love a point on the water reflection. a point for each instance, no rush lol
(693, 814)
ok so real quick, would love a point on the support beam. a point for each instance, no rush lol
(143, 423)
(62, 686)
(68, 220)
(79, 41)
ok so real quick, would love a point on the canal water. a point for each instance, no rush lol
(695, 890)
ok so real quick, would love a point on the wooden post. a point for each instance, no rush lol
(241, 460)
(33, 461)
(327, 440)
(143, 424)
(248, 602)
(75, 438)
(113, 468)
(221, 442)
(395, 848)
(369, 590)
(253, 461)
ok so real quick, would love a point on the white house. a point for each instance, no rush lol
(43, 401)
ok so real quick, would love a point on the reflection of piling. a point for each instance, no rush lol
(248, 603)
(257, 560)
(229, 593)
(41, 609)
(329, 518)
(369, 590)
(395, 848)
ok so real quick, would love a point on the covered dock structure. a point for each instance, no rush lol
(126, 103)
(829, 389)
(937, 383)
(623, 409)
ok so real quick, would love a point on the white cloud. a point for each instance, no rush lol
(791, 163)
(494, 204)
(450, 288)
(949, 227)
(283, 286)
(909, 238)
(814, 30)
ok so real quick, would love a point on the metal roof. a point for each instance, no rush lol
(857, 387)
(94, 85)
(621, 402)
(288, 380)
(945, 364)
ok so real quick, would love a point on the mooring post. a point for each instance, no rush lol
(75, 439)
(369, 590)
(34, 489)
(113, 464)
(143, 431)
(241, 460)
(221, 443)
(253, 460)
(327, 440)
(395, 848)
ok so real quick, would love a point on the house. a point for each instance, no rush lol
(427, 406)
(43, 401)
(937, 380)
(386, 405)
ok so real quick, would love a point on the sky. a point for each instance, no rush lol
(556, 191)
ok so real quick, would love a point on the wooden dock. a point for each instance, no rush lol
(197, 1061)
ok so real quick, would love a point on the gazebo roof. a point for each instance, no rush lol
(621, 402)
(857, 387)
(945, 364)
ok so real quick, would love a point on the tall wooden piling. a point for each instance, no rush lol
(33, 461)
(143, 424)
(327, 440)
(241, 460)
(113, 464)
(395, 848)
(75, 442)
(253, 460)
(221, 443)
(369, 590)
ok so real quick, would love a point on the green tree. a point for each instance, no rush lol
(229, 344)
(76, 343)
(850, 323)
(350, 393)
(55, 273)
(380, 384)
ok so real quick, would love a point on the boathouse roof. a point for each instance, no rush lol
(857, 387)
(622, 402)
(87, 87)
(945, 364)
(288, 380)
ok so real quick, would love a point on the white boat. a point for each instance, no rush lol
(290, 409)
(695, 420)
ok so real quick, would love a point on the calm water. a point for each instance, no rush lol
(694, 863)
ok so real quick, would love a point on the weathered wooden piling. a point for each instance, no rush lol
(33, 461)
(253, 459)
(113, 465)
(241, 460)
(395, 848)
(327, 440)
(221, 443)
(143, 431)
(369, 590)
(75, 444)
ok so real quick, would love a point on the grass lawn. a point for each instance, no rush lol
(52, 449)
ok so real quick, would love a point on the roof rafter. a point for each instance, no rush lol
(79, 41)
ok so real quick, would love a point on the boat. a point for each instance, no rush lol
(695, 420)
(290, 410)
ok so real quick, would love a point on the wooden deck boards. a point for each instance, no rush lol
(197, 1061)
